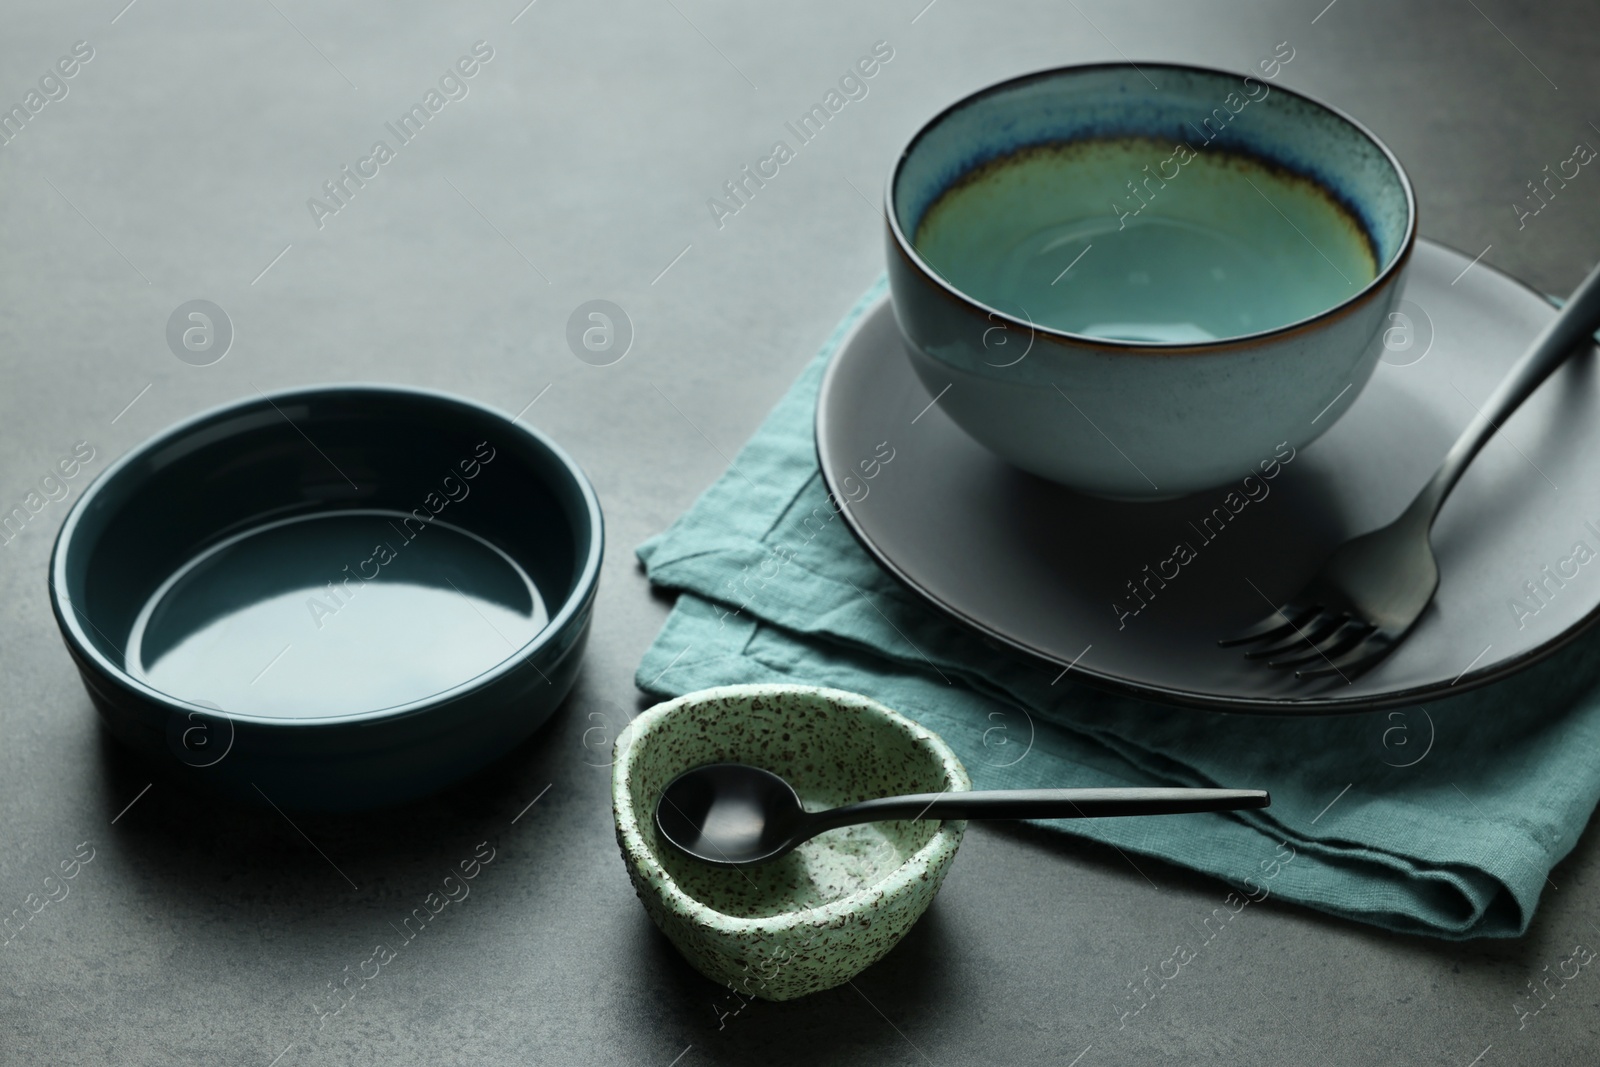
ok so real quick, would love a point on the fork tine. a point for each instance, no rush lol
(1349, 634)
(1282, 621)
(1319, 627)
(1367, 652)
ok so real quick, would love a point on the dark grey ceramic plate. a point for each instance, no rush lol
(1048, 572)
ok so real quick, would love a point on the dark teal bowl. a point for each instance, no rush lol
(331, 598)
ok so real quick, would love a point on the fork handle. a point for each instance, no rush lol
(1571, 330)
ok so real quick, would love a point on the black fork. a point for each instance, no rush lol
(1370, 592)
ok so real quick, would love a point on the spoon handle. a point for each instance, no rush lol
(1042, 804)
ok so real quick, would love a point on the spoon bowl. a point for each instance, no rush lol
(731, 814)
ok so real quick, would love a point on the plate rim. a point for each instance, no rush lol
(1291, 705)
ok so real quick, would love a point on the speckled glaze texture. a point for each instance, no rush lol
(835, 905)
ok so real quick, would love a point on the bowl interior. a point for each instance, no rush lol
(832, 747)
(325, 552)
(1219, 207)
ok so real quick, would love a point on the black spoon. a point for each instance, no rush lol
(731, 815)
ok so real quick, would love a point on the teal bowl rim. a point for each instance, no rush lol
(941, 847)
(1220, 346)
(575, 603)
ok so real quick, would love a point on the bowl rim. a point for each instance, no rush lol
(1067, 339)
(939, 848)
(582, 589)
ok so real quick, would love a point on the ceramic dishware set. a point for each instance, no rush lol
(1118, 319)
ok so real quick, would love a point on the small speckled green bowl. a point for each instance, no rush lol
(839, 902)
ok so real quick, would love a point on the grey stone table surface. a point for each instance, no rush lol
(576, 163)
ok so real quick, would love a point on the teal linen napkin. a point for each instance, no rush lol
(1442, 820)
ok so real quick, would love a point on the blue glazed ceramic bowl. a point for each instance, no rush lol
(1142, 293)
(335, 598)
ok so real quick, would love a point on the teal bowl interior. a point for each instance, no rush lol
(381, 587)
(1219, 207)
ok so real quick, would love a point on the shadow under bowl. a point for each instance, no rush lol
(331, 598)
(825, 912)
